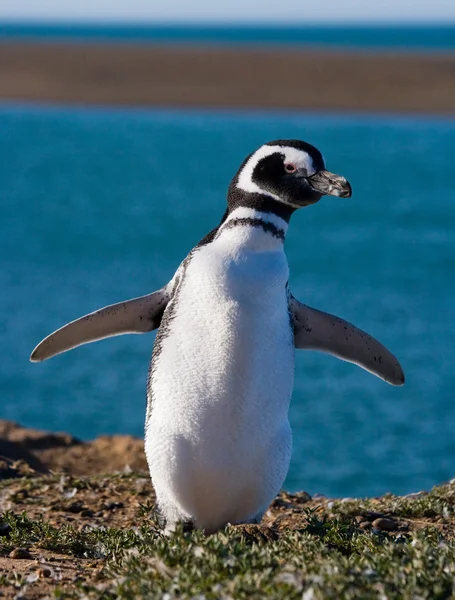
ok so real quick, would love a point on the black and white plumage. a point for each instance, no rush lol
(218, 440)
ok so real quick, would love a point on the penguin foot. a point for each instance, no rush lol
(170, 527)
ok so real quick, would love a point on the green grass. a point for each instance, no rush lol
(324, 555)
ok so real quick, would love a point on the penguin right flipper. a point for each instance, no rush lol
(138, 315)
(317, 330)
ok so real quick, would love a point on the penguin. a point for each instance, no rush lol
(217, 435)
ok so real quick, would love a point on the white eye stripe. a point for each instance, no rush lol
(299, 158)
(245, 181)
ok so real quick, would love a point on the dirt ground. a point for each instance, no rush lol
(25, 452)
(122, 502)
(108, 503)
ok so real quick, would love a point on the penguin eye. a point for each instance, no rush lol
(290, 168)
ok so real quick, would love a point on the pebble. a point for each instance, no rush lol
(364, 524)
(75, 507)
(372, 515)
(5, 529)
(87, 513)
(21, 494)
(359, 518)
(44, 572)
(114, 505)
(385, 524)
(20, 553)
(305, 496)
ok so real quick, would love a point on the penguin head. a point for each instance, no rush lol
(289, 172)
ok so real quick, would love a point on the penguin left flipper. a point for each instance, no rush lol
(317, 330)
(138, 315)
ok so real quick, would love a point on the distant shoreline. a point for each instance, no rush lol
(248, 77)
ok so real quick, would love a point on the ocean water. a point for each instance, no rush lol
(98, 206)
(439, 37)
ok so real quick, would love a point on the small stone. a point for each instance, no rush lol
(44, 572)
(87, 513)
(385, 524)
(364, 524)
(21, 553)
(372, 515)
(114, 505)
(5, 529)
(359, 518)
(303, 497)
(19, 495)
(75, 507)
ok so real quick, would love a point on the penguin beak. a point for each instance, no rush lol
(327, 183)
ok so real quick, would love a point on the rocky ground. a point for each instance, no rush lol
(60, 452)
(69, 534)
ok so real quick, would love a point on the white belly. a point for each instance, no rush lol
(218, 440)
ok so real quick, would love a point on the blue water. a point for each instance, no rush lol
(100, 206)
(405, 37)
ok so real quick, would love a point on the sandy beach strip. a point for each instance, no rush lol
(226, 77)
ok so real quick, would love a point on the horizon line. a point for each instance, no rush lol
(221, 23)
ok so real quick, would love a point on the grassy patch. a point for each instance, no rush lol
(304, 549)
